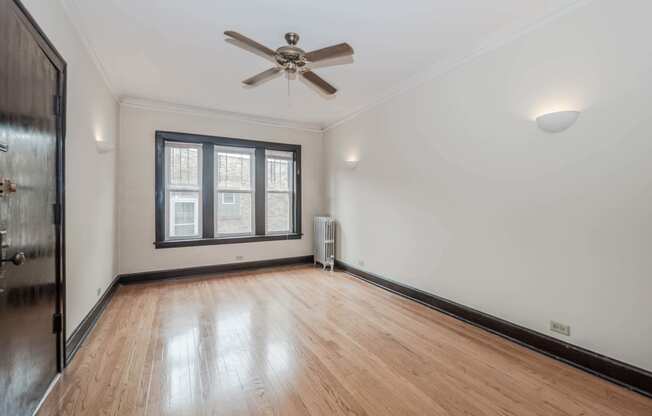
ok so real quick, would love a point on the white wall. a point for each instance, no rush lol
(136, 190)
(459, 194)
(91, 260)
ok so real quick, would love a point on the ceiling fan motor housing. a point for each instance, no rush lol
(291, 56)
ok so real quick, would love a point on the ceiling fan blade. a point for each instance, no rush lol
(263, 76)
(251, 43)
(335, 51)
(319, 82)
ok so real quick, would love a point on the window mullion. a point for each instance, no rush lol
(296, 192)
(259, 190)
(208, 194)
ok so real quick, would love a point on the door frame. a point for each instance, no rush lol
(59, 102)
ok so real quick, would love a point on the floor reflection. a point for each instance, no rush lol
(180, 356)
(232, 334)
(206, 361)
(223, 351)
(279, 359)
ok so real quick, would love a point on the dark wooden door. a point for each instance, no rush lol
(28, 235)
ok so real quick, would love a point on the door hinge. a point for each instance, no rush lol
(57, 105)
(57, 323)
(56, 209)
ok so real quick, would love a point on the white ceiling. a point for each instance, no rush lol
(174, 51)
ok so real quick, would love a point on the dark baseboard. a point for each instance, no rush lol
(615, 371)
(74, 342)
(214, 269)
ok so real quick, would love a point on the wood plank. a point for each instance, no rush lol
(299, 341)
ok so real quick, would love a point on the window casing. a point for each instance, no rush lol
(217, 190)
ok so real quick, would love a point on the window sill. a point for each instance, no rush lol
(225, 240)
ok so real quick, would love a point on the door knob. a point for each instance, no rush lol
(17, 259)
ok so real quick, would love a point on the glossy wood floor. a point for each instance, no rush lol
(298, 341)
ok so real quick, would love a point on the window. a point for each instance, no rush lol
(183, 190)
(234, 175)
(217, 190)
(279, 190)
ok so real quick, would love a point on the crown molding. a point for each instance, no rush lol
(437, 70)
(70, 9)
(432, 72)
(155, 105)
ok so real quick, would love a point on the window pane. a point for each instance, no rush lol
(228, 198)
(279, 171)
(184, 214)
(234, 216)
(278, 212)
(184, 166)
(234, 169)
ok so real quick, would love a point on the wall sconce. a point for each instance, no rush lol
(103, 146)
(558, 121)
(351, 163)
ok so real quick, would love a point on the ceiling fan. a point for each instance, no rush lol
(292, 59)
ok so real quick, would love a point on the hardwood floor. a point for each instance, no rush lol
(298, 341)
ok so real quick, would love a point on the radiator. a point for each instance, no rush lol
(324, 247)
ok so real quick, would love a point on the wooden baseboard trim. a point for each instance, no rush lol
(213, 269)
(77, 337)
(623, 374)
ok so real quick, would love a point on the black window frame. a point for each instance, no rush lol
(208, 189)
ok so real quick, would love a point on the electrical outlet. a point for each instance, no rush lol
(361, 263)
(239, 257)
(99, 291)
(560, 328)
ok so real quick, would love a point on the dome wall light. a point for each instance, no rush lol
(558, 121)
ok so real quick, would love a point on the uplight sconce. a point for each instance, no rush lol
(351, 163)
(103, 146)
(558, 121)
